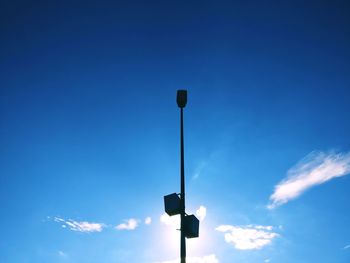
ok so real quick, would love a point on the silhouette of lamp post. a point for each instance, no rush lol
(175, 203)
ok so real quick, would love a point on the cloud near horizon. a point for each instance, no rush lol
(130, 224)
(247, 237)
(315, 169)
(148, 220)
(201, 213)
(82, 226)
(205, 259)
(89, 227)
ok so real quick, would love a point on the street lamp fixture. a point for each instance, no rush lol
(181, 98)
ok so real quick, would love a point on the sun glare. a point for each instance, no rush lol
(169, 246)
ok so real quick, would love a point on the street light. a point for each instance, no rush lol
(181, 98)
(175, 203)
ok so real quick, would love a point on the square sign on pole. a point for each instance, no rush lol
(191, 226)
(172, 204)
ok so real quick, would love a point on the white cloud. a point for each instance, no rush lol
(269, 228)
(62, 254)
(267, 260)
(316, 168)
(199, 169)
(247, 237)
(129, 224)
(346, 247)
(201, 212)
(58, 219)
(170, 220)
(205, 259)
(82, 226)
(148, 220)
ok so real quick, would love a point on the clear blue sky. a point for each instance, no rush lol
(89, 130)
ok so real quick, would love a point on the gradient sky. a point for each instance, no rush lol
(89, 130)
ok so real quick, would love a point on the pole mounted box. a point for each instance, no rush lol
(172, 204)
(191, 226)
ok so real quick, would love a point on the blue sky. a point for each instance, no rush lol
(90, 130)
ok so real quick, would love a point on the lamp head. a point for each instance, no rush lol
(181, 98)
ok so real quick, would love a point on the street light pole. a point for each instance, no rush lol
(183, 240)
(174, 203)
(181, 100)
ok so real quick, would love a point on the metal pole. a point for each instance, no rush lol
(182, 239)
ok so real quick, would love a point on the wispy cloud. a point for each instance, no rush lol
(62, 254)
(201, 212)
(199, 170)
(83, 226)
(346, 247)
(148, 220)
(88, 227)
(205, 259)
(248, 237)
(129, 224)
(316, 168)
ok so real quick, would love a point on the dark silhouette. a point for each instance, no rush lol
(174, 203)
